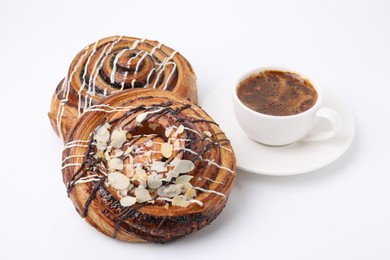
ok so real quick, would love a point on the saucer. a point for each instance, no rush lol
(297, 158)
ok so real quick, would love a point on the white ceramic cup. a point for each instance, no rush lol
(283, 130)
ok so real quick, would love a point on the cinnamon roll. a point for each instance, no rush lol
(147, 166)
(115, 64)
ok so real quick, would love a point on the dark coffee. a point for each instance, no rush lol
(277, 93)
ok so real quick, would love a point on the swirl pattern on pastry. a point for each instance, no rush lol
(115, 64)
(148, 166)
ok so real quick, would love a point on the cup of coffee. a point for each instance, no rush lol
(278, 107)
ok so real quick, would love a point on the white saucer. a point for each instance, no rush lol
(297, 158)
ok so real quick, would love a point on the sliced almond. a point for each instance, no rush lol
(122, 193)
(100, 154)
(179, 130)
(118, 137)
(171, 174)
(169, 191)
(183, 179)
(102, 134)
(184, 166)
(139, 170)
(180, 201)
(128, 150)
(154, 182)
(166, 150)
(101, 145)
(175, 161)
(107, 156)
(115, 163)
(128, 170)
(142, 179)
(142, 194)
(185, 187)
(118, 152)
(128, 201)
(158, 166)
(168, 131)
(118, 181)
(190, 194)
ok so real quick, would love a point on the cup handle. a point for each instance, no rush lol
(333, 117)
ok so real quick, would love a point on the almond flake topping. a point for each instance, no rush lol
(118, 181)
(169, 191)
(166, 150)
(118, 137)
(154, 182)
(100, 154)
(180, 201)
(190, 194)
(102, 134)
(183, 179)
(168, 131)
(142, 194)
(170, 175)
(179, 130)
(184, 166)
(128, 201)
(158, 166)
(115, 163)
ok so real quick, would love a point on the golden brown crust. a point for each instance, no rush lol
(114, 64)
(201, 142)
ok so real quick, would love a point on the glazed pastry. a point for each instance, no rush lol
(114, 64)
(146, 165)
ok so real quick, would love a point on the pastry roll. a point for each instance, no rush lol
(148, 166)
(115, 64)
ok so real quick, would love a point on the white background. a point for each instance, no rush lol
(339, 212)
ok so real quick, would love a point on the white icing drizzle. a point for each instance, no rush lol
(196, 117)
(114, 68)
(225, 148)
(218, 166)
(190, 201)
(112, 76)
(162, 66)
(219, 182)
(94, 70)
(87, 179)
(76, 143)
(127, 72)
(210, 191)
(141, 117)
(88, 99)
(84, 75)
(65, 95)
(106, 53)
(72, 156)
(71, 164)
(107, 108)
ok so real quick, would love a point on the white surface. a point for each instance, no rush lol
(339, 212)
(300, 157)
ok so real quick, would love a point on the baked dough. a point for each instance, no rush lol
(115, 64)
(146, 165)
